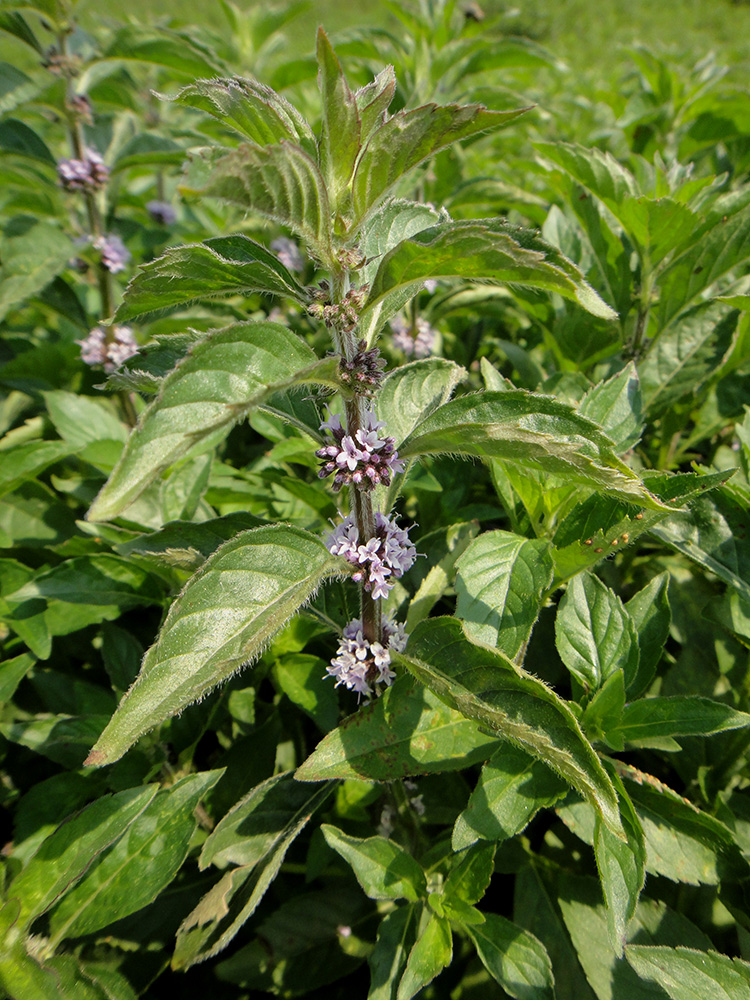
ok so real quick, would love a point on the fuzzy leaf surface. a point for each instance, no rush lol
(223, 265)
(686, 974)
(224, 377)
(527, 429)
(242, 595)
(382, 867)
(499, 584)
(514, 958)
(488, 687)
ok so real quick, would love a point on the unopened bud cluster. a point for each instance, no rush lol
(364, 461)
(108, 348)
(360, 665)
(90, 173)
(364, 373)
(383, 559)
(343, 315)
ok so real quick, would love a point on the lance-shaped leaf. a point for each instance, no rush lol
(616, 405)
(373, 101)
(241, 597)
(341, 125)
(511, 789)
(250, 108)
(66, 854)
(682, 715)
(488, 687)
(527, 429)
(685, 974)
(410, 137)
(500, 583)
(382, 867)
(142, 863)
(225, 376)
(223, 265)
(26, 461)
(220, 914)
(407, 731)
(594, 634)
(490, 250)
(281, 183)
(514, 958)
(430, 954)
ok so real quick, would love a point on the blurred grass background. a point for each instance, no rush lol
(585, 33)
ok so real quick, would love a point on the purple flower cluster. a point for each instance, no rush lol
(359, 665)
(110, 352)
(161, 212)
(418, 340)
(388, 554)
(289, 254)
(365, 460)
(115, 255)
(90, 173)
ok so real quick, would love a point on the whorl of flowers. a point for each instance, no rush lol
(364, 373)
(115, 255)
(365, 460)
(383, 559)
(90, 173)
(417, 340)
(289, 254)
(359, 664)
(108, 351)
(161, 212)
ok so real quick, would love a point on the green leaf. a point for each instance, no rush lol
(26, 461)
(529, 430)
(594, 634)
(178, 50)
(185, 544)
(511, 790)
(17, 138)
(616, 405)
(490, 250)
(652, 617)
(251, 108)
(681, 715)
(685, 355)
(93, 580)
(500, 584)
(441, 573)
(430, 954)
(218, 383)
(142, 862)
(32, 252)
(413, 391)
(383, 869)
(281, 183)
(222, 265)
(686, 974)
(220, 914)
(514, 958)
(486, 686)
(600, 525)
(721, 248)
(304, 680)
(81, 420)
(341, 126)
(255, 824)
(469, 878)
(241, 597)
(66, 854)
(405, 732)
(622, 868)
(408, 138)
(397, 935)
(395, 220)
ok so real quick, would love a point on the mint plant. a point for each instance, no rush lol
(365, 673)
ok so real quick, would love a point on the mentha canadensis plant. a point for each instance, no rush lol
(441, 694)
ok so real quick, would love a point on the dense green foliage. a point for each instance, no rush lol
(215, 249)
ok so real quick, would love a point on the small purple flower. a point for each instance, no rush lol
(115, 255)
(417, 340)
(361, 665)
(289, 254)
(383, 558)
(108, 347)
(89, 173)
(365, 460)
(161, 212)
